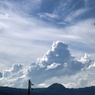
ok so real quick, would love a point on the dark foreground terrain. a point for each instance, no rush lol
(55, 89)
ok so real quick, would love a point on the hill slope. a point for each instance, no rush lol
(55, 89)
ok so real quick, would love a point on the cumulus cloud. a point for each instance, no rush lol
(58, 54)
(57, 65)
(85, 58)
(14, 77)
(83, 78)
(13, 72)
(30, 38)
(17, 34)
(52, 66)
(58, 59)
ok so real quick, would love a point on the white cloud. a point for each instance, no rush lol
(29, 36)
(48, 15)
(92, 66)
(43, 85)
(15, 71)
(69, 71)
(85, 59)
(22, 6)
(52, 66)
(81, 79)
(59, 53)
(82, 82)
(14, 77)
(73, 15)
(24, 39)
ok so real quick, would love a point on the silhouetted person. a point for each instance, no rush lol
(29, 86)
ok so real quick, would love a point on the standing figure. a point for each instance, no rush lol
(29, 86)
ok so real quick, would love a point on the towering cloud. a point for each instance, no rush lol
(59, 56)
(57, 62)
(59, 53)
(58, 59)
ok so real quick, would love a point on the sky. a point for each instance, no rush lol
(47, 41)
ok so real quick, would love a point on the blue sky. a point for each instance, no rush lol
(32, 32)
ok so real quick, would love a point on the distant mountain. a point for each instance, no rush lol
(54, 89)
(56, 86)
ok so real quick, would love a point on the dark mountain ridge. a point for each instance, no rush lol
(54, 89)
